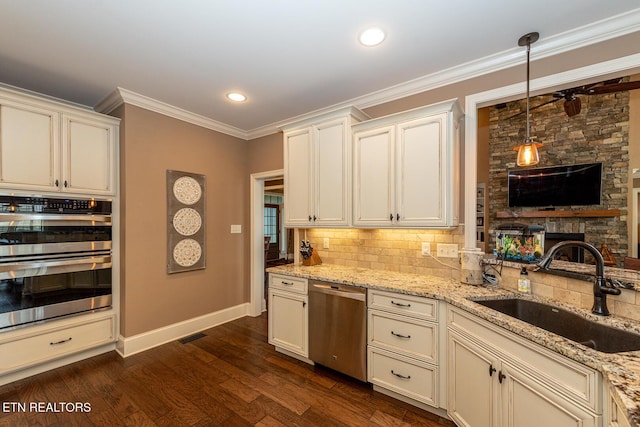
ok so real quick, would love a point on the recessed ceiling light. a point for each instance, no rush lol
(372, 36)
(236, 97)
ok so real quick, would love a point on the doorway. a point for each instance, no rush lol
(257, 262)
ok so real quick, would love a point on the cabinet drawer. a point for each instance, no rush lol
(288, 283)
(408, 305)
(570, 378)
(403, 375)
(33, 349)
(415, 338)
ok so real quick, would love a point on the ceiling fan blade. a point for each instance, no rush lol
(534, 107)
(572, 107)
(613, 88)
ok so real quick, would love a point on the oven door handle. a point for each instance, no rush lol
(55, 219)
(65, 265)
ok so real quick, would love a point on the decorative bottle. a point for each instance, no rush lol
(524, 284)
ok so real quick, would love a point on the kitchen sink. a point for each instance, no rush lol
(566, 324)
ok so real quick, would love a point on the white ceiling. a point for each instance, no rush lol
(290, 57)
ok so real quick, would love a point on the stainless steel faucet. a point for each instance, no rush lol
(601, 285)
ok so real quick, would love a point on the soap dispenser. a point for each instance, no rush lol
(524, 284)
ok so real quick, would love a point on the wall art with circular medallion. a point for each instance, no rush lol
(186, 245)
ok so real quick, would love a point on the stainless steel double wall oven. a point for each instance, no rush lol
(55, 258)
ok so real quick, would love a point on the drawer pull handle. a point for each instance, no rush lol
(400, 335)
(60, 342)
(400, 304)
(287, 283)
(404, 377)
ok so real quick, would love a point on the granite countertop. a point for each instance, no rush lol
(622, 370)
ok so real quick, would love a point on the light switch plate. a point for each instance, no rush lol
(447, 250)
(236, 228)
(325, 243)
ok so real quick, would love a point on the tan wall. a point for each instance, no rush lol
(151, 144)
(265, 153)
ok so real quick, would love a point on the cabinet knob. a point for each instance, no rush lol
(57, 183)
(309, 218)
(491, 370)
(390, 217)
(501, 376)
(66, 184)
(398, 217)
(314, 218)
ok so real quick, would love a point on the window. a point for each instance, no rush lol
(271, 222)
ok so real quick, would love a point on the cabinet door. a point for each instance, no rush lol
(298, 173)
(288, 322)
(472, 383)
(525, 403)
(420, 183)
(373, 178)
(88, 155)
(29, 147)
(332, 166)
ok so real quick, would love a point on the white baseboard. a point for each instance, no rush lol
(128, 346)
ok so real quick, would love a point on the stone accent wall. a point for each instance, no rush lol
(387, 249)
(600, 133)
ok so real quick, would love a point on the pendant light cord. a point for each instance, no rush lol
(528, 139)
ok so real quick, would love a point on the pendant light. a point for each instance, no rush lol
(528, 151)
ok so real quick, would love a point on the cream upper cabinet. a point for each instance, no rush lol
(317, 170)
(374, 194)
(406, 171)
(88, 153)
(47, 146)
(29, 146)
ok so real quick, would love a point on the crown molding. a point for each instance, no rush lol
(586, 35)
(121, 95)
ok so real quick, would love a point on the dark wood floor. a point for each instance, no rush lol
(229, 377)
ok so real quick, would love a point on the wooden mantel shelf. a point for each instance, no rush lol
(601, 213)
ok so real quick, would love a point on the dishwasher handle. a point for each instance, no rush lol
(339, 292)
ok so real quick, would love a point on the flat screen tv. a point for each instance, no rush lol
(572, 185)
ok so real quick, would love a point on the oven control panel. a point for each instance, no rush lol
(21, 204)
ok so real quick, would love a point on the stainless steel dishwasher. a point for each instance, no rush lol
(338, 327)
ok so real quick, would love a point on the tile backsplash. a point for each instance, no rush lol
(386, 249)
(401, 250)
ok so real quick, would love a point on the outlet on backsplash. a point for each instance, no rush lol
(447, 250)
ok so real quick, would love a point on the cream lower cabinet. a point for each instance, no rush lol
(49, 146)
(615, 416)
(403, 345)
(289, 314)
(498, 379)
(26, 347)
